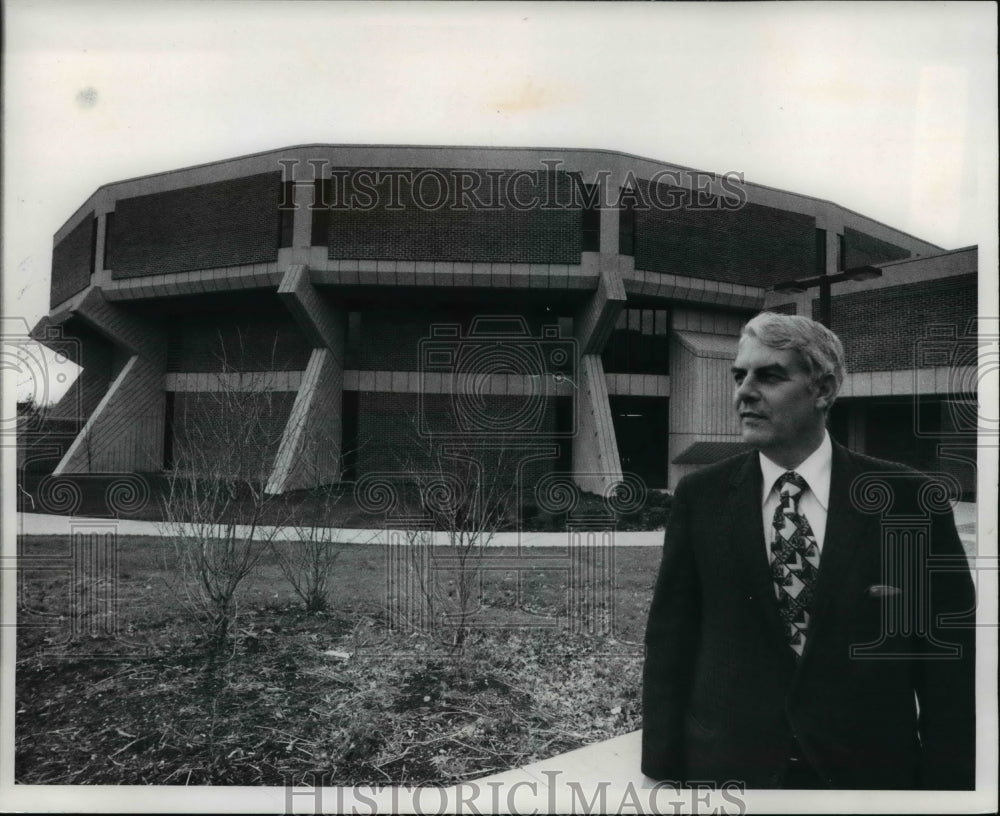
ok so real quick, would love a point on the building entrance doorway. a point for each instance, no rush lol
(641, 427)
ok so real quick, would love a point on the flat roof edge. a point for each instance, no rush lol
(496, 148)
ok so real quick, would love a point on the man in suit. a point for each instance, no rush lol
(811, 625)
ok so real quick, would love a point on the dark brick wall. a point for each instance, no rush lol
(235, 343)
(389, 442)
(882, 328)
(755, 245)
(920, 432)
(231, 434)
(226, 223)
(390, 340)
(861, 249)
(73, 261)
(507, 234)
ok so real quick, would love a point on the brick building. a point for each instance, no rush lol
(581, 306)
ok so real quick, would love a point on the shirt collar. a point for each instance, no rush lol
(815, 470)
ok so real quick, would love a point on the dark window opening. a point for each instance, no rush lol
(591, 233)
(352, 348)
(820, 252)
(641, 429)
(626, 223)
(349, 437)
(92, 260)
(640, 343)
(838, 423)
(168, 432)
(286, 217)
(109, 220)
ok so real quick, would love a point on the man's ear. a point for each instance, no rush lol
(826, 391)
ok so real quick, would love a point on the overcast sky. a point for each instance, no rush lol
(888, 109)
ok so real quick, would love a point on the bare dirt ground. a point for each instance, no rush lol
(347, 693)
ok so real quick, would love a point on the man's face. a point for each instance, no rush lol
(781, 409)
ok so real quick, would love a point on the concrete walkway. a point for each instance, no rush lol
(43, 524)
(615, 760)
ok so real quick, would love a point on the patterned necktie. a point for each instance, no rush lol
(794, 560)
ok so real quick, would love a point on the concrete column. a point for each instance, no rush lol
(594, 322)
(324, 326)
(829, 218)
(301, 250)
(305, 197)
(609, 217)
(596, 463)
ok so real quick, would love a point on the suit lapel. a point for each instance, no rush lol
(845, 529)
(746, 536)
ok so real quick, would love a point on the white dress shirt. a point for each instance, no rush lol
(813, 502)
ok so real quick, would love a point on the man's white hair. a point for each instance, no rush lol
(820, 349)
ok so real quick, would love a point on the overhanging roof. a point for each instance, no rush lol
(719, 346)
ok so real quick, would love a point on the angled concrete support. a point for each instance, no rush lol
(310, 451)
(596, 464)
(309, 454)
(323, 325)
(596, 319)
(125, 430)
(123, 329)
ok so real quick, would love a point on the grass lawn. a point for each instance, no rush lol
(552, 663)
(142, 496)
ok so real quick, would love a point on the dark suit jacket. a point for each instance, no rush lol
(724, 697)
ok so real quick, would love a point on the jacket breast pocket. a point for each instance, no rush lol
(878, 591)
(885, 615)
